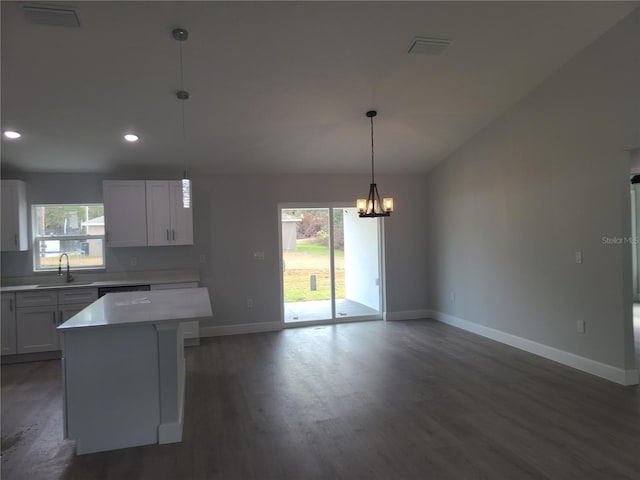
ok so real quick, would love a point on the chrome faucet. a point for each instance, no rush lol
(69, 276)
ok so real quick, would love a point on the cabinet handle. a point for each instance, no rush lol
(173, 233)
(60, 321)
(167, 234)
(54, 317)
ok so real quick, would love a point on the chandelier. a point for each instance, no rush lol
(372, 206)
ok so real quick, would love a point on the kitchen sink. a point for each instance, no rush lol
(62, 284)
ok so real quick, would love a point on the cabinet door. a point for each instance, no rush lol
(158, 215)
(8, 332)
(125, 213)
(181, 218)
(13, 213)
(68, 311)
(36, 329)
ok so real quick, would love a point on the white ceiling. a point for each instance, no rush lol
(275, 87)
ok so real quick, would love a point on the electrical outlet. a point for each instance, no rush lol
(578, 256)
(249, 302)
(134, 261)
(582, 326)
(203, 258)
(258, 255)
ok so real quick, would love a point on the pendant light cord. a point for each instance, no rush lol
(184, 135)
(372, 179)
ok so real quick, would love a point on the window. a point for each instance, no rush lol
(77, 230)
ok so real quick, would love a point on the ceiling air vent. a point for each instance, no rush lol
(54, 16)
(429, 46)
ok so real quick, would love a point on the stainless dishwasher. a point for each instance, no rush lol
(102, 291)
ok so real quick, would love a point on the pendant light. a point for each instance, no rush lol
(181, 34)
(372, 206)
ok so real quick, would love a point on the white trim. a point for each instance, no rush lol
(608, 372)
(406, 315)
(382, 285)
(170, 432)
(631, 377)
(240, 329)
(334, 321)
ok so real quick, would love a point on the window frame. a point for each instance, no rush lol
(37, 239)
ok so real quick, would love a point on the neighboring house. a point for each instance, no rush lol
(95, 226)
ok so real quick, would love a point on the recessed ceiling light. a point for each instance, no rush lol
(12, 134)
(130, 137)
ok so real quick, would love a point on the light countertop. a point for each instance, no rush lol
(137, 308)
(51, 280)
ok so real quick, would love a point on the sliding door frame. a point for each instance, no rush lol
(331, 206)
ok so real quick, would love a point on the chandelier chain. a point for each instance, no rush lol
(372, 170)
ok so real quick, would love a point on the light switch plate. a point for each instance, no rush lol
(578, 256)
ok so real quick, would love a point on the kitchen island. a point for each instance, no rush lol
(123, 368)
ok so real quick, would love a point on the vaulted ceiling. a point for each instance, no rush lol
(275, 87)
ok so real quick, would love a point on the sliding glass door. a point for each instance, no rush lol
(330, 264)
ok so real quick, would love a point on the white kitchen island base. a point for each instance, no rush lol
(124, 381)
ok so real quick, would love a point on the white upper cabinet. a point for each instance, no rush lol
(168, 222)
(125, 213)
(14, 216)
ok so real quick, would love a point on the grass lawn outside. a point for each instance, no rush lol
(307, 260)
(74, 259)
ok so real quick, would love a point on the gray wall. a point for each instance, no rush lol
(508, 210)
(237, 215)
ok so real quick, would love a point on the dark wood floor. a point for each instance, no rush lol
(375, 400)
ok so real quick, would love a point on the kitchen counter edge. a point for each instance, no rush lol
(113, 280)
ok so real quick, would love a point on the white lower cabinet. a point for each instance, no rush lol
(36, 329)
(65, 312)
(8, 332)
(191, 330)
(30, 318)
(39, 313)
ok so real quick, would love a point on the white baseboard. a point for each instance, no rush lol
(239, 329)
(170, 432)
(406, 315)
(614, 374)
